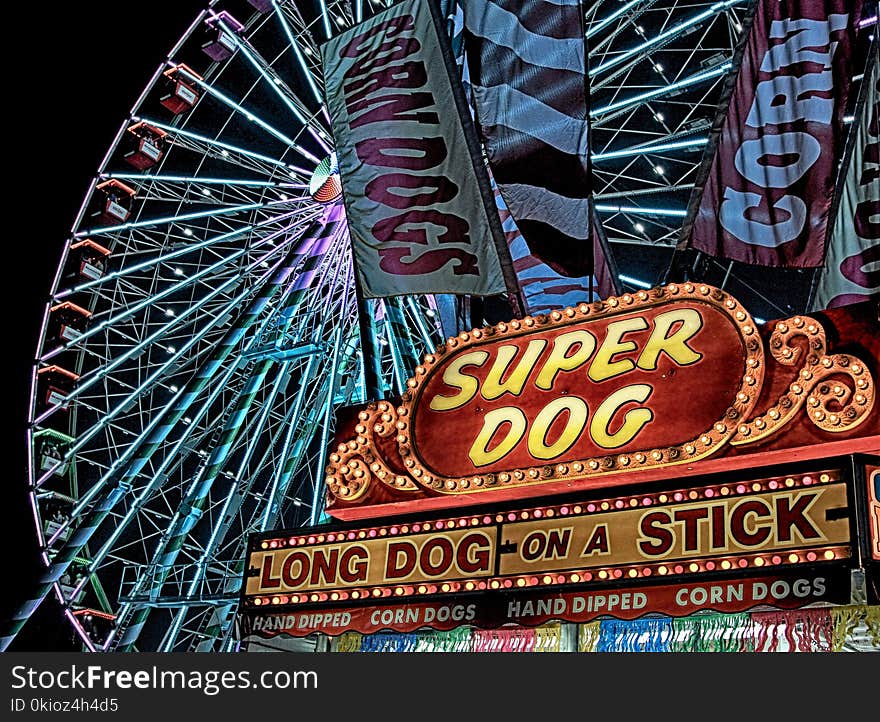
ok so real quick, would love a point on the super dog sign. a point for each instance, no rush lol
(632, 383)
(575, 391)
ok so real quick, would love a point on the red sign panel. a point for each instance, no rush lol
(625, 390)
(562, 393)
(531, 608)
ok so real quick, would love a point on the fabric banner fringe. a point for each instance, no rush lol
(821, 629)
(588, 636)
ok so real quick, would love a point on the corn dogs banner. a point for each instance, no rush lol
(634, 388)
(769, 525)
(764, 193)
(420, 211)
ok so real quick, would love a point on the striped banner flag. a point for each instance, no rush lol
(543, 288)
(526, 66)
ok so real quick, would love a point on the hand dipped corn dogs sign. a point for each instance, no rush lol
(535, 607)
(624, 389)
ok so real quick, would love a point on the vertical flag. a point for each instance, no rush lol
(852, 263)
(526, 65)
(764, 192)
(606, 279)
(543, 288)
(417, 197)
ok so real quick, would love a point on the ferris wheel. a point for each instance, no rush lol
(203, 324)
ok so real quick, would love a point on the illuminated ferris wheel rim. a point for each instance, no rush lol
(197, 246)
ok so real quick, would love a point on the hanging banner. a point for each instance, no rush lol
(526, 66)
(852, 263)
(765, 190)
(606, 278)
(419, 207)
(764, 524)
(543, 288)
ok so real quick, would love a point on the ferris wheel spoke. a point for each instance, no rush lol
(112, 413)
(196, 498)
(282, 471)
(308, 73)
(644, 211)
(308, 388)
(155, 482)
(179, 252)
(279, 88)
(644, 192)
(602, 48)
(633, 7)
(345, 339)
(622, 176)
(673, 148)
(168, 220)
(325, 17)
(175, 411)
(103, 506)
(177, 323)
(184, 282)
(253, 433)
(399, 341)
(428, 339)
(218, 626)
(60, 562)
(631, 172)
(652, 148)
(611, 111)
(694, 114)
(342, 339)
(329, 404)
(315, 258)
(193, 191)
(295, 461)
(699, 48)
(110, 500)
(188, 181)
(250, 115)
(167, 553)
(237, 495)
